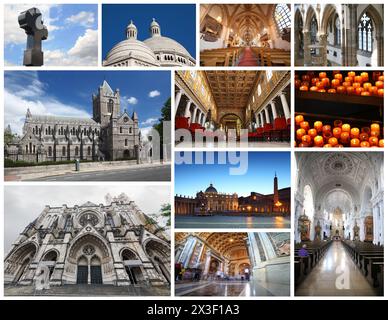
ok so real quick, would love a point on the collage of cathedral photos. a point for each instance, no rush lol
(125, 196)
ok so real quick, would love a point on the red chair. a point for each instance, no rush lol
(181, 123)
(267, 131)
(280, 126)
(260, 133)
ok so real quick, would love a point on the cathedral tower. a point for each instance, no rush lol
(106, 104)
(155, 28)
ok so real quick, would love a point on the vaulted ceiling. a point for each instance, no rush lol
(227, 244)
(232, 89)
(247, 20)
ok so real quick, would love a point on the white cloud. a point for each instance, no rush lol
(150, 122)
(18, 98)
(12, 32)
(154, 93)
(20, 213)
(132, 100)
(83, 53)
(83, 18)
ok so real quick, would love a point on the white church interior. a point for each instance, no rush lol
(339, 221)
(245, 34)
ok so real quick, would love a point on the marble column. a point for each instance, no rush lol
(267, 119)
(195, 111)
(269, 250)
(285, 106)
(187, 110)
(375, 221)
(178, 97)
(257, 120)
(207, 262)
(381, 207)
(273, 107)
(261, 118)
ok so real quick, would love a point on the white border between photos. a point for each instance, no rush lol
(290, 149)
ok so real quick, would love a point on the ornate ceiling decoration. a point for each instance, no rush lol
(231, 89)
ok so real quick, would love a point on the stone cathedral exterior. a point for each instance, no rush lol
(109, 135)
(112, 244)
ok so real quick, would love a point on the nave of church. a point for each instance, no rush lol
(339, 224)
(339, 35)
(232, 108)
(232, 264)
(245, 35)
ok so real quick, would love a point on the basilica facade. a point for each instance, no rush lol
(211, 202)
(157, 50)
(91, 244)
(109, 135)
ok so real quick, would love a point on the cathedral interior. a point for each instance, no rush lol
(232, 264)
(245, 34)
(90, 249)
(339, 35)
(339, 217)
(222, 107)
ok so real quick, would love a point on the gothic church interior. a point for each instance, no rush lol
(339, 35)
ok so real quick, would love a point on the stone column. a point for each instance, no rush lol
(349, 42)
(194, 115)
(285, 106)
(261, 118)
(257, 120)
(306, 43)
(187, 110)
(323, 42)
(178, 97)
(380, 49)
(273, 107)
(267, 119)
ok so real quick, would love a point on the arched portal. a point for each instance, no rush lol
(19, 261)
(133, 266)
(159, 254)
(231, 121)
(50, 259)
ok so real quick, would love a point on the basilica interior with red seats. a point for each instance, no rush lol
(220, 108)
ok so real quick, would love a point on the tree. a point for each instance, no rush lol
(165, 211)
(166, 116)
(9, 137)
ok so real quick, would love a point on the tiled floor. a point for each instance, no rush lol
(230, 288)
(335, 275)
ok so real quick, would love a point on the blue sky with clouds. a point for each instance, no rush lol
(72, 38)
(69, 93)
(177, 21)
(261, 168)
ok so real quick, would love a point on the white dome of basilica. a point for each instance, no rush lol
(131, 49)
(154, 51)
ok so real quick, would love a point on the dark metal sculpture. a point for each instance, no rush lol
(31, 21)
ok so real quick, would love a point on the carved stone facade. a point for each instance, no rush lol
(111, 244)
(109, 135)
